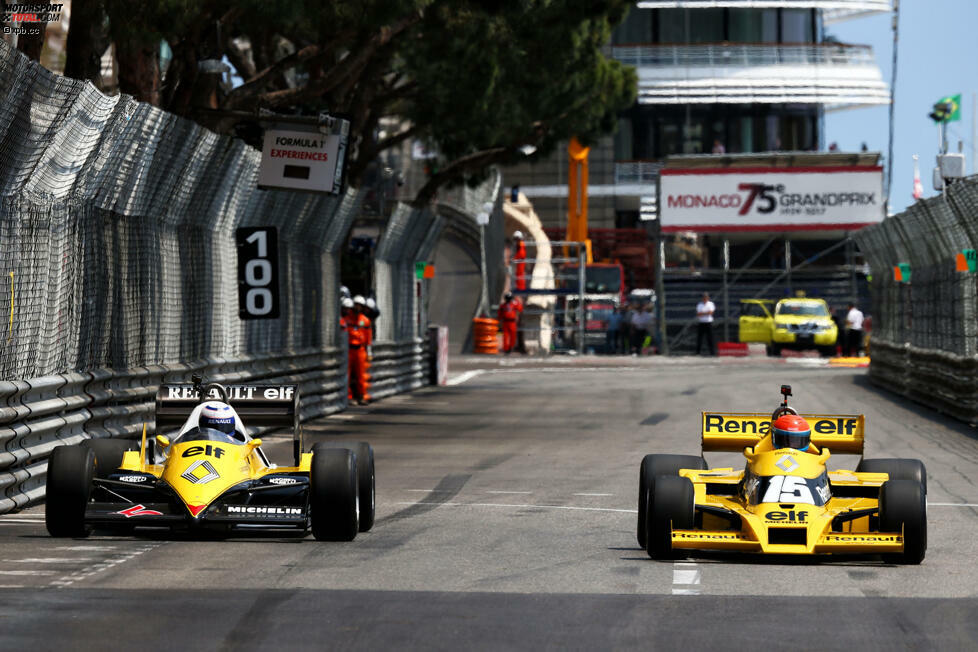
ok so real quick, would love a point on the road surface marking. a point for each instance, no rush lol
(509, 492)
(464, 376)
(343, 417)
(22, 521)
(88, 571)
(594, 494)
(26, 572)
(930, 504)
(85, 548)
(686, 579)
(47, 560)
(525, 506)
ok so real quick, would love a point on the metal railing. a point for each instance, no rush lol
(744, 55)
(642, 172)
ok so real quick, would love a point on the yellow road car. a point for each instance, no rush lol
(197, 478)
(798, 323)
(785, 502)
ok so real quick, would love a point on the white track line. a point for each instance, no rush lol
(930, 504)
(686, 579)
(26, 572)
(509, 492)
(525, 506)
(464, 377)
(594, 494)
(47, 560)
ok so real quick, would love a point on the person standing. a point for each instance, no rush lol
(854, 331)
(613, 335)
(357, 327)
(372, 312)
(704, 326)
(509, 315)
(519, 258)
(641, 323)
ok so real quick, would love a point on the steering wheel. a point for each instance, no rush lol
(205, 391)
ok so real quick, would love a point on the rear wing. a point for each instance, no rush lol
(259, 406)
(841, 433)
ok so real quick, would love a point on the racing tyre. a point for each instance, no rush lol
(69, 485)
(653, 465)
(903, 507)
(334, 498)
(670, 507)
(108, 454)
(897, 468)
(365, 473)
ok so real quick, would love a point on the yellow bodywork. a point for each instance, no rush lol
(187, 461)
(787, 525)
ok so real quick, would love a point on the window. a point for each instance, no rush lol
(670, 26)
(797, 26)
(637, 28)
(753, 26)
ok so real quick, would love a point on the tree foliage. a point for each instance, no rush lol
(476, 79)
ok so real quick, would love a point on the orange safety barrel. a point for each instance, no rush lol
(484, 335)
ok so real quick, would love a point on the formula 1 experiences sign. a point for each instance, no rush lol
(304, 160)
(770, 199)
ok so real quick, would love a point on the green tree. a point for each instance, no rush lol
(476, 79)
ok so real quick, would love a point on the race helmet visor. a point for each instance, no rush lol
(797, 439)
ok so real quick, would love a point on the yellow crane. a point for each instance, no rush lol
(577, 195)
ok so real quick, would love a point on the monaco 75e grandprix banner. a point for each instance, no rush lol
(770, 199)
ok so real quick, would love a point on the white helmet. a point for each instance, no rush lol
(346, 302)
(344, 291)
(371, 303)
(359, 300)
(217, 416)
(518, 234)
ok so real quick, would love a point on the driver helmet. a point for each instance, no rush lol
(346, 303)
(791, 431)
(217, 416)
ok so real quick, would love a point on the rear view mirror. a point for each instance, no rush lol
(163, 441)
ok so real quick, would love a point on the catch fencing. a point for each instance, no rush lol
(118, 272)
(925, 310)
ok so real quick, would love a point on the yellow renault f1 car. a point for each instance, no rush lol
(199, 478)
(785, 501)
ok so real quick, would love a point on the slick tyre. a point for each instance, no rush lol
(365, 473)
(108, 454)
(69, 485)
(652, 466)
(670, 507)
(903, 507)
(897, 468)
(333, 501)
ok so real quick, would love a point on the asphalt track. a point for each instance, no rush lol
(506, 521)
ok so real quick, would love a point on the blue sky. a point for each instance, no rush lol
(938, 56)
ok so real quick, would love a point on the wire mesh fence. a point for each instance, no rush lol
(117, 227)
(925, 307)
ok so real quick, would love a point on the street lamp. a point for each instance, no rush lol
(482, 219)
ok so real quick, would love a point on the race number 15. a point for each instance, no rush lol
(257, 272)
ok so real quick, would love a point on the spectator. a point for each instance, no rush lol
(704, 326)
(613, 335)
(641, 327)
(718, 147)
(854, 331)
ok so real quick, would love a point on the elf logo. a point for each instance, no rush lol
(791, 517)
(139, 510)
(210, 451)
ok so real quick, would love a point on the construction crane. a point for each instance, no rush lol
(577, 195)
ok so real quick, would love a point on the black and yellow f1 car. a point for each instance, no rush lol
(785, 501)
(200, 479)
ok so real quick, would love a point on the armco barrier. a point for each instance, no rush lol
(399, 367)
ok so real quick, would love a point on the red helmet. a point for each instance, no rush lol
(791, 431)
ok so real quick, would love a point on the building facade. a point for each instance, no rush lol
(714, 76)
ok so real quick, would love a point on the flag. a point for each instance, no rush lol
(951, 108)
(918, 188)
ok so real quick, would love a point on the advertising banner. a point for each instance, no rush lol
(770, 199)
(304, 159)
